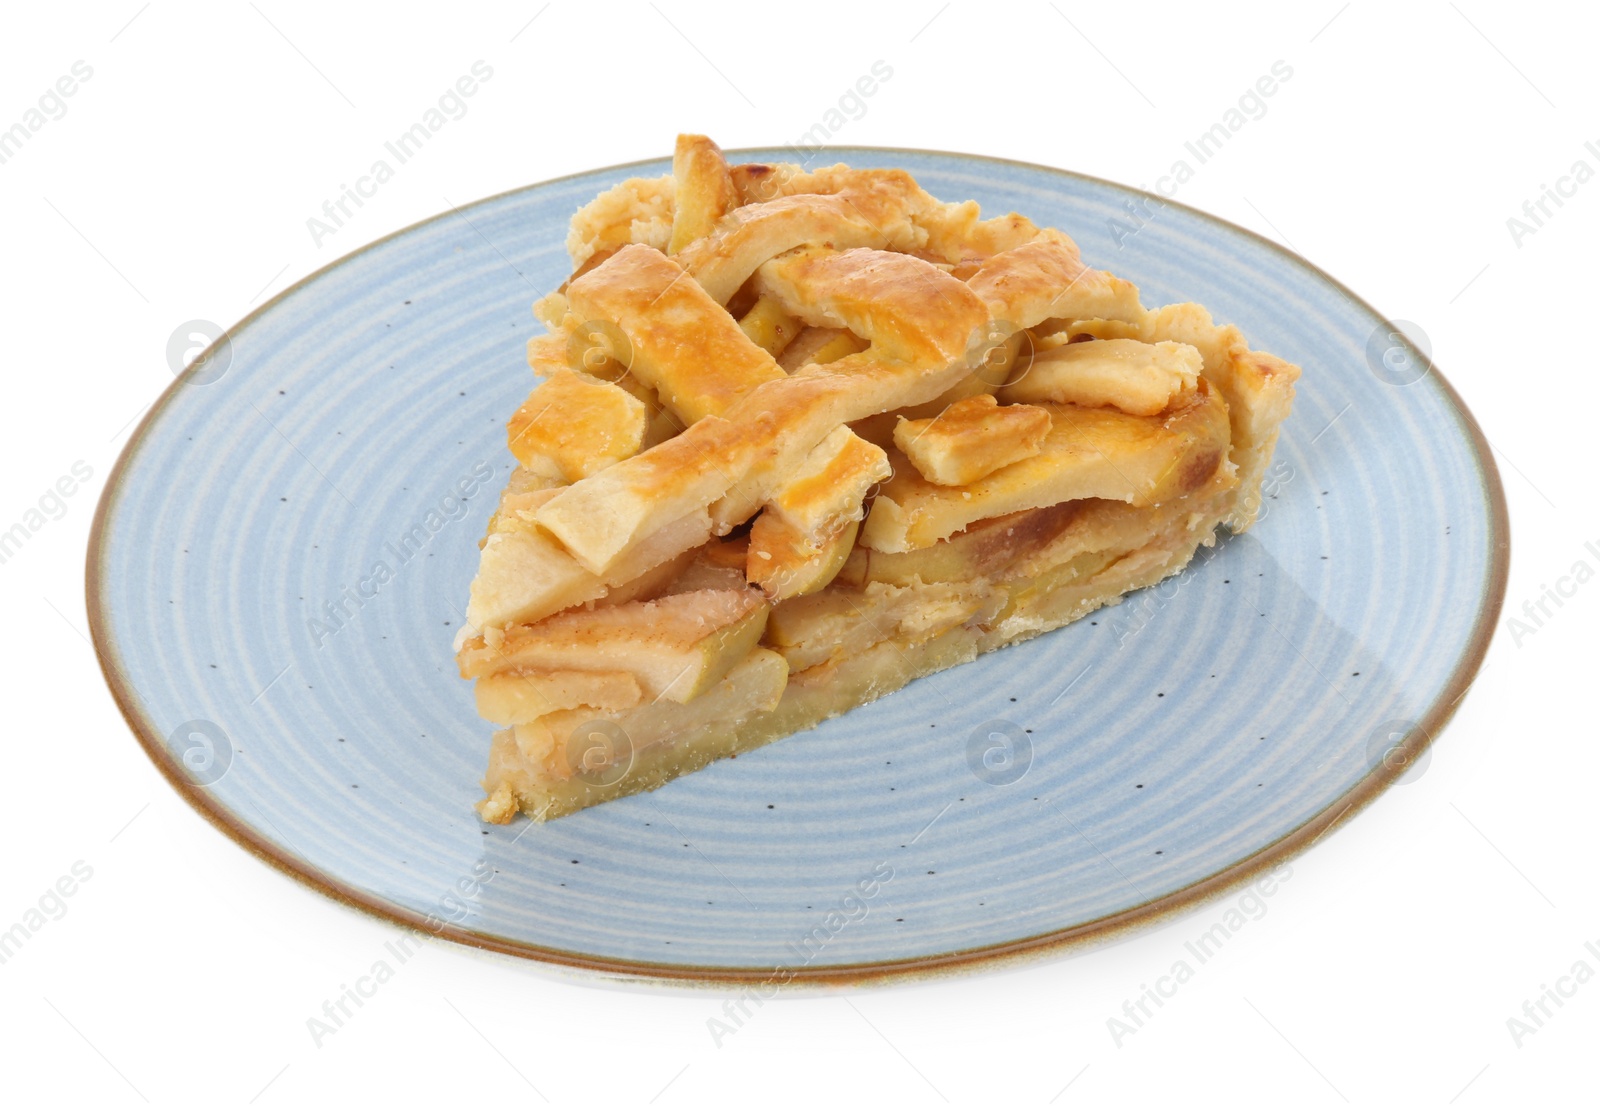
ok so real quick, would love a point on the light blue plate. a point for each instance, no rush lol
(306, 700)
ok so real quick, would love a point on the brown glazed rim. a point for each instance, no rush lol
(1075, 937)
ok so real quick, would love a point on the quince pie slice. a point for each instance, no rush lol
(805, 436)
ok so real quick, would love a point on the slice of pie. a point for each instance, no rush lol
(805, 436)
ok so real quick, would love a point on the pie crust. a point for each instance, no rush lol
(805, 436)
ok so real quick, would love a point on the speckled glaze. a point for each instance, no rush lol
(282, 651)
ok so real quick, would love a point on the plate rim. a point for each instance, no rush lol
(1077, 937)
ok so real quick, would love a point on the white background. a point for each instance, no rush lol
(178, 185)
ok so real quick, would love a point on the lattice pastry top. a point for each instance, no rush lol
(761, 342)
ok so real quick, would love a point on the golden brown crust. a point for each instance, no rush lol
(957, 236)
(679, 340)
(873, 218)
(579, 424)
(917, 318)
(909, 309)
(703, 191)
(825, 413)
(1045, 279)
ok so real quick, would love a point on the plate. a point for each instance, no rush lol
(279, 564)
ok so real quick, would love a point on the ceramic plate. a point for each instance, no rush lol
(280, 561)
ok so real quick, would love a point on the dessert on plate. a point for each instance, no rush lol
(804, 436)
